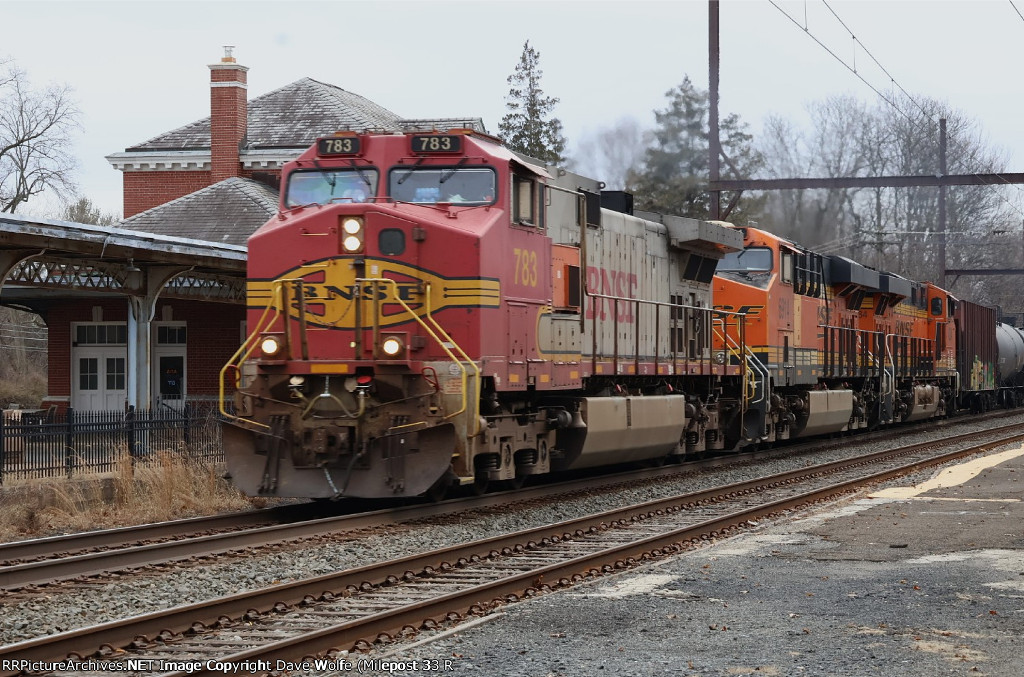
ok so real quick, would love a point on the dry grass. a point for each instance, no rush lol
(166, 486)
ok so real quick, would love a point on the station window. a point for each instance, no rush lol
(170, 335)
(101, 334)
(115, 373)
(88, 373)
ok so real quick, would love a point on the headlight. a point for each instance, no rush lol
(392, 346)
(352, 234)
(270, 346)
(720, 357)
(352, 244)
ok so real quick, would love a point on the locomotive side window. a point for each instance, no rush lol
(523, 200)
(787, 267)
(469, 186)
(937, 305)
(335, 185)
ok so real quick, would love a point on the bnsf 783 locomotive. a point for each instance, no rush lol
(431, 309)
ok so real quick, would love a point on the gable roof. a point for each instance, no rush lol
(227, 212)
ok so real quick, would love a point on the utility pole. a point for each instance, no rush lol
(942, 180)
(714, 143)
(942, 202)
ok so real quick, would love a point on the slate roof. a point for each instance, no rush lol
(295, 115)
(228, 212)
(289, 118)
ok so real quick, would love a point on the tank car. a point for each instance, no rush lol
(430, 310)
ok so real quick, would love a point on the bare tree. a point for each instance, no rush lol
(35, 138)
(895, 229)
(23, 357)
(82, 210)
(611, 153)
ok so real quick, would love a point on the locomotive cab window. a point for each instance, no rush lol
(463, 186)
(341, 186)
(750, 260)
(937, 305)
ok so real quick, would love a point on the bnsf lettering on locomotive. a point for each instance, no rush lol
(904, 328)
(406, 292)
(611, 283)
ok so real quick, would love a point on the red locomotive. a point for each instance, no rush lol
(430, 310)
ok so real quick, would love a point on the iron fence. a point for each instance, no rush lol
(44, 443)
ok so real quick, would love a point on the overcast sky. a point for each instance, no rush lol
(139, 68)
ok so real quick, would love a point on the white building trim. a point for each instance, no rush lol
(198, 160)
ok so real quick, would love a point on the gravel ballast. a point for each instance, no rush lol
(675, 603)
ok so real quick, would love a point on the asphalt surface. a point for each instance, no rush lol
(915, 580)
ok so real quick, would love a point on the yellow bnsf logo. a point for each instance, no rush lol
(330, 293)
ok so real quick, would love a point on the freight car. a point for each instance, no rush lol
(430, 310)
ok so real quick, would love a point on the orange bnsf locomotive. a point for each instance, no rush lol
(845, 347)
(430, 310)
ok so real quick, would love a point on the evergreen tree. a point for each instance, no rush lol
(526, 127)
(675, 169)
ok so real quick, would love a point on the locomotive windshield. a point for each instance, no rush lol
(752, 260)
(469, 186)
(357, 184)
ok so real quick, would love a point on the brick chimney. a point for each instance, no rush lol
(228, 111)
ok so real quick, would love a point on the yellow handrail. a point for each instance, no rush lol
(476, 368)
(246, 349)
(437, 339)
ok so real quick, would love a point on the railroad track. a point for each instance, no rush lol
(99, 554)
(351, 610)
